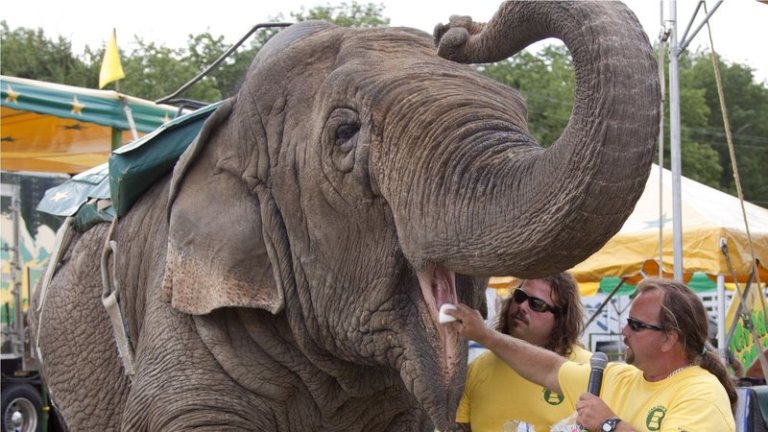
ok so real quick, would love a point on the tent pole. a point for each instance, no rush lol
(674, 132)
(721, 344)
(674, 140)
(129, 117)
(605, 302)
(662, 79)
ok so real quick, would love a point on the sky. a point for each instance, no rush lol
(740, 27)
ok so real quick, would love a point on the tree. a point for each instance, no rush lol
(346, 14)
(747, 107)
(153, 71)
(27, 53)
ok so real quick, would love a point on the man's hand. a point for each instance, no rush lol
(533, 363)
(592, 412)
(469, 323)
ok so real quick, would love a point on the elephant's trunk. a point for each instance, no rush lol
(484, 199)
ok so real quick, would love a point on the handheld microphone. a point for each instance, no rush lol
(598, 362)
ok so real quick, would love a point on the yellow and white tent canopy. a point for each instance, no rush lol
(708, 216)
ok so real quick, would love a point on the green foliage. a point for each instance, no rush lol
(28, 53)
(702, 123)
(747, 108)
(346, 14)
(154, 71)
(700, 162)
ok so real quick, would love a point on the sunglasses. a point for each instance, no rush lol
(536, 304)
(637, 325)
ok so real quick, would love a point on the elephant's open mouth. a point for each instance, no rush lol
(438, 287)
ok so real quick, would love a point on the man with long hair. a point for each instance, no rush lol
(673, 379)
(545, 312)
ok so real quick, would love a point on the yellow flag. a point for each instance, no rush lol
(111, 69)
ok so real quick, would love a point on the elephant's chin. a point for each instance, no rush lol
(434, 366)
(437, 393)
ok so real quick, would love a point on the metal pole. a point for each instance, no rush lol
(17, 340)
(605, 302)
(663, 38)
(721, 312)
(661, 207)
(129, 116)
(674, 141)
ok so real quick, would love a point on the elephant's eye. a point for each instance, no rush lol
(346, 131)
(342, 130)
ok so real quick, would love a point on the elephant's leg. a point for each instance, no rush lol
(80, 360)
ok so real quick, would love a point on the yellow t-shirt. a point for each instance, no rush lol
(692, 400)
(495, 394)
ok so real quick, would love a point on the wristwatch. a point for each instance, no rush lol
(610, 424)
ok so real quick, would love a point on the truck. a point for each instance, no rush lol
(24, 402)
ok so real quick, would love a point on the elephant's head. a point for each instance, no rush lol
(358, 181)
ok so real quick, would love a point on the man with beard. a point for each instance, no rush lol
(673, 382)
(544, 312)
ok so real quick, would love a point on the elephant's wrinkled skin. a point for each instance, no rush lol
(287, 275)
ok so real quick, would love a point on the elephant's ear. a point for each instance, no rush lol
(218, 254)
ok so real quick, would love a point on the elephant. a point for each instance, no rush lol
(287, 274)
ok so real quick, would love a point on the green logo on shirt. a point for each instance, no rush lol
(553, 398)
(655, 417)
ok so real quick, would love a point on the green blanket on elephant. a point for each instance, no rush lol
(138, 165)
(131, 170)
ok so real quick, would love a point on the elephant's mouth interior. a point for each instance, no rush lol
(438, 286)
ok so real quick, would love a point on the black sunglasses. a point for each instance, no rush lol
(536, 304)
(637, 325)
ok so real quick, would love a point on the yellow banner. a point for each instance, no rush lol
(111, 69)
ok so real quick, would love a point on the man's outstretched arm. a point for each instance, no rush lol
(533, 363)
